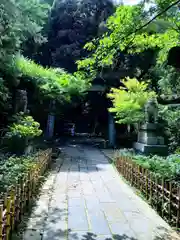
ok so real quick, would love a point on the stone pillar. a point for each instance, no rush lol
(50, 121)
(50, 126)
(111, 130)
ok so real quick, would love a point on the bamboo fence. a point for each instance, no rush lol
(17, 199)
(161, 194)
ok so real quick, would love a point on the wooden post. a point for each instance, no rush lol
(122, 160)
(147, 183)
(12, 195)
(29, 189)
(1, 221)
(17, 210)
(156, 193)
(170, 199)
(142, 179)
(27, 192)
(150, 175)
(21, 197)
(178, 208)
(138, 177)
(8, 218)
(162, 212)
(132, 177)
(5, 200)
(125, 167)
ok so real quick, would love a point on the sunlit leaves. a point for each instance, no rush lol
(128, 101)
(122, 35)
(19, 21)
(52, 82)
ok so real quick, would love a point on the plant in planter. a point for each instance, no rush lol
(21, 133)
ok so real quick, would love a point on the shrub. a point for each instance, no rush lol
(129, 101)
(171, 119)
(13, 168)
(167, 167)
(25, 126)
(20, 133)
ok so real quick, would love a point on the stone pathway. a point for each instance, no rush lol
(84, 198)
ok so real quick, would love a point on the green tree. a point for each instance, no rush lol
(122, 37)
(50, 83)
(19, 21)
(129, 101)
(72, 23)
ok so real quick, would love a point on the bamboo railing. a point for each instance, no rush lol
(162, 195)
(16, 201)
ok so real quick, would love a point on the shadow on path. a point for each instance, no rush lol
(56, 229)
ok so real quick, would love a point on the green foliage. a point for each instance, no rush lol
(171, 119)
(167, 167)
(168, 81)
(4, 93)
(19, 21)
(72, 24)
(13, 168)
(114, 40)
(121, 36)
(52, 82)
(128, 101)
(25, 127)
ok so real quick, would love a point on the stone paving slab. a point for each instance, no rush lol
(77, 202)
(112, 212)
(120, 229)
(32, 234)
(85, 199)
(98, 223)
(77, 218)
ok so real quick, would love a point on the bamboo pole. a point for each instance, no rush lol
(162, 212)
(21, 197)
(178, 208)
(8, 218)
(132, 177)
(147, 182)
(1, 221)
(156, 192)
(150, 175)
(18, 195)
(170, 199)
(12, 196)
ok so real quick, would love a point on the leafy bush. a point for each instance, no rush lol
(19, 21)
(53, 83)
(20, 134)
(167, 167)
(24, 127)
(13, 168)
(171, 118)
(128, 101)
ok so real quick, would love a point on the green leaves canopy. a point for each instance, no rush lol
(123, 36)
(129, 105)
(52, 82)
(19, 21)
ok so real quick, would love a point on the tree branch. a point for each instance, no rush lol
(168, 101)
(156, 16)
